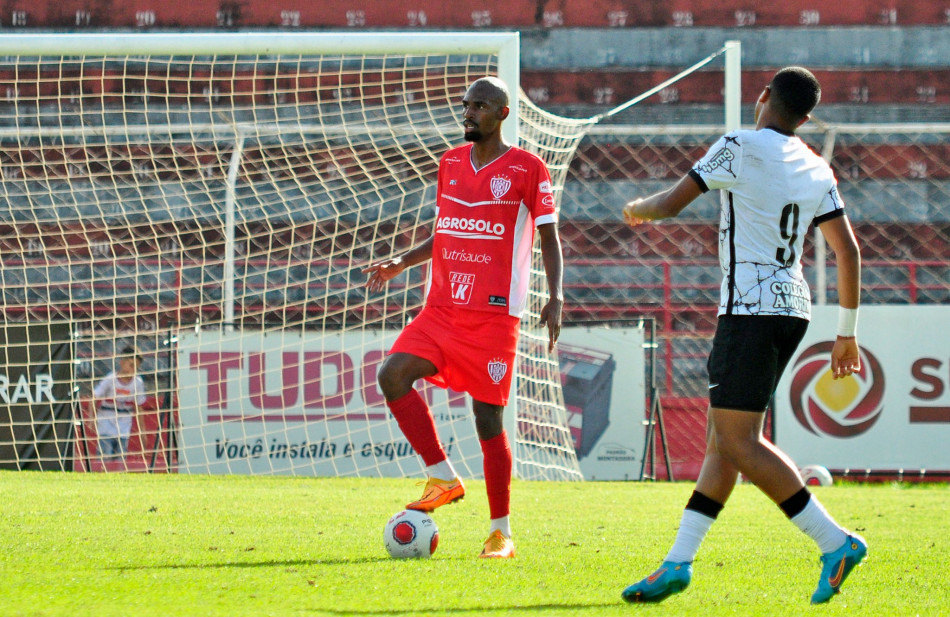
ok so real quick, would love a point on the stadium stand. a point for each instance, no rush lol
(76, 14)
(878, 63)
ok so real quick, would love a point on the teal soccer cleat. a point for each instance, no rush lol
(837, 565)
(670, 578)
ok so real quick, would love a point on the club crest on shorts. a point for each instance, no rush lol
(499, 186)
(497, 369)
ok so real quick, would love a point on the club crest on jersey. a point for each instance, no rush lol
(461, 287)
(499, 186)
(497, 369)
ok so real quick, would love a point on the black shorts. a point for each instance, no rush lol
(748, 356)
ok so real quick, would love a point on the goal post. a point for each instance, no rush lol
(209, 200)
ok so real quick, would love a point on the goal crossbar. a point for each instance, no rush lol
(506, 45)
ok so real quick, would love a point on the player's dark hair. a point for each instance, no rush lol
(130, 352)
(794, 93)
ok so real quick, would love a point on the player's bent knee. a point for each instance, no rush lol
(489, 419)
(399, 372)
(392, 381)
(734, 448)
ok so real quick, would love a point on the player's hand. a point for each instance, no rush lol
(629, 213)
(845, 358)
(381, 271)
(551, 316)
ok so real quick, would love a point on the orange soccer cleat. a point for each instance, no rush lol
(498, 546)
(438, 493)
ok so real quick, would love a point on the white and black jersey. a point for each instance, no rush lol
(773, 187)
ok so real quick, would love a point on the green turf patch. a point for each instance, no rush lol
(94, 544)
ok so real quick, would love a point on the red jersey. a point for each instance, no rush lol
(484, 230)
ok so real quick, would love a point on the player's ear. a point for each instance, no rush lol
(503, 112)
(766, 93)
(804, 120)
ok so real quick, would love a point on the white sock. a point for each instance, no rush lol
(818, 525)
(693, 528)
(441, 471)
(501, 524)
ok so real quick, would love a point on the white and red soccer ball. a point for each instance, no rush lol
(411, 533)
(816, 475)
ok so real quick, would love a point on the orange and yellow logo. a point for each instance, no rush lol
(836, 407)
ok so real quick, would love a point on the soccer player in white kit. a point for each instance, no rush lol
(772, 187)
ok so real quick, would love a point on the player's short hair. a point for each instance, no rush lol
(500, 89)
(794, 92)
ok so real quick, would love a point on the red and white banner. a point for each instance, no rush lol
(263, 403)
(894, 414)
(259, 402)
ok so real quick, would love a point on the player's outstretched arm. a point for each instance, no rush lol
(554, 270)
(381, 271)
(662, 205)
(845, 357)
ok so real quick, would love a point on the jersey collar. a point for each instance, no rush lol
(471, 148)
(779, 131)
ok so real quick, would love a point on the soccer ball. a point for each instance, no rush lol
(411, 533)
(816, 475)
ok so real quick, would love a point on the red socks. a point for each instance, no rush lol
(496, 461)
(418, 425)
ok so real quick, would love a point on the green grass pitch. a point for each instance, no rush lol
(101, 545)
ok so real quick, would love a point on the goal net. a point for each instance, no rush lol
(209, 201)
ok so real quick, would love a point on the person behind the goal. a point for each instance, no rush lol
(117, 399)
(491, 196)
(772, 187)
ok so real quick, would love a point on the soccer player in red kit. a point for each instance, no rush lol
(491, 197)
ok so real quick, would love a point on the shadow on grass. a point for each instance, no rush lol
(271, 564)
(474, 609)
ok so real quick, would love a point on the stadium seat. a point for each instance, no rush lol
(696, 284)
(884, 285)
(594, 283)
(13, 285)
(201, 283)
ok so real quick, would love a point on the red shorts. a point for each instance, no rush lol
(473, 351)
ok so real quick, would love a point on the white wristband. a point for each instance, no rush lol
(847, 321)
